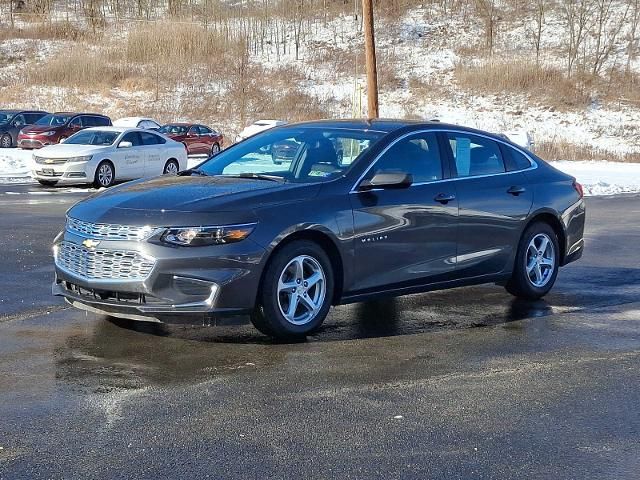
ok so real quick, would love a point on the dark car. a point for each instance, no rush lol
(411, 207)
(198, 139)
(11, 121)
(57, 127)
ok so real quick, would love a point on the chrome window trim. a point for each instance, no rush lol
(533, 163)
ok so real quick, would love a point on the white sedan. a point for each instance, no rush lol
(104, 155)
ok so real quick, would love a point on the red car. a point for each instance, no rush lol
(197, 138)
(55, 127)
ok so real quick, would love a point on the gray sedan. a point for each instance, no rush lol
(406, 207)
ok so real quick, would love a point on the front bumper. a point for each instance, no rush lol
(187, 282)
(34, 143)
(63, 173)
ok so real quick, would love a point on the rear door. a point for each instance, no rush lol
(493, 204)
(406, 236)
(153, 153)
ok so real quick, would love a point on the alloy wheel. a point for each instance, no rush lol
(540, 260)
(105, 175)
(215, 149)
(301, 290)
(171, 168)
(5, 141)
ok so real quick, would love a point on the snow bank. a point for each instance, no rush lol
(14, 165)
(596, 177)
(603, 178)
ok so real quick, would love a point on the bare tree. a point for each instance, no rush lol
(578, 17)
(488, 11)
(633, 35)
(538, 9)
(608, 25)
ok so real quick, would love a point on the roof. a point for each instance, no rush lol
(80, 113)
(115, 129)
(388, 125)
(180, 124)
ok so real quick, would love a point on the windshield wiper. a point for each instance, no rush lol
(192, 171)
(258, 176)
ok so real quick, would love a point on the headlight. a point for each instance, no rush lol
(86, 158)
(201, 236)
(49, 133)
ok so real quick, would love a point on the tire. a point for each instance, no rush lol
(6, 141)
(171, 168)
(215, 149)
(269, 316)
(534, 273)
(47, 183)
(101, 178)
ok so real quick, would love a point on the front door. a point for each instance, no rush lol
(493, 205)
(131, 160)
(406, 236)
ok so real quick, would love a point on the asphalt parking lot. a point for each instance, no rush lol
(466, 383)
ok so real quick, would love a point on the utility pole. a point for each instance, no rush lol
(370, 54)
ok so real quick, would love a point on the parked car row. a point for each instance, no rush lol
(31, 129)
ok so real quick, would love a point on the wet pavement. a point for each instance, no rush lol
(465, 383)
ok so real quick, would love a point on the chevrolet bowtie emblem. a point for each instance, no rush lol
(90, 243)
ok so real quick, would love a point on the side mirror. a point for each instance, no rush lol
(125, 144)
(387, 181)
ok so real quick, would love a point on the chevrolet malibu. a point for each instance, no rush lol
(408, 208)
(104, 155)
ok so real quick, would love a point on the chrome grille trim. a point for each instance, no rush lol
(103, 264)
(49, 161)
(105, 231)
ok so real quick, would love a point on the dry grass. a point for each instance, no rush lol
(563, 150)
(547, 83)
(79, 68)
(45, 30)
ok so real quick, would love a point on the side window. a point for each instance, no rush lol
(102, 121)
(75, 123)
(149, 138)
(475, 155)
(132, 137)
(19, 121)
(193, 131)
(418, 155)
(32, 118)
(514, 159)
(204, 130)
(88, 121)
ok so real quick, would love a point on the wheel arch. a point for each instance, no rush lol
(326, 242)
(551, 219)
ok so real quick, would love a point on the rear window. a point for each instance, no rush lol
(151, 139)
(514, 160)
(475, 155)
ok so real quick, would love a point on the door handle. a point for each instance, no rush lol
(516, 190)
(444, 198)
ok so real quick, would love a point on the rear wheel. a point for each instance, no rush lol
(536, 264)
(6, 141)
(171, 168)
(296, 291)
(105, 175)
(215, 149)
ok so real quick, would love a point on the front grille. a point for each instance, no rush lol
(107, 231)
(50, 161)
(102, 264)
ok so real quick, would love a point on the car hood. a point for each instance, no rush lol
(64, 150)
(185, 200)
(39, 129)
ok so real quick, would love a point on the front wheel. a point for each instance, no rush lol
(296, 291)
(105, 175)
(6, 141)
(171, 168)
(536, 264)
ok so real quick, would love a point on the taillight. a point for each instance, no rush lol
(578, 188)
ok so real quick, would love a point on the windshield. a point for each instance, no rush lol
(6, 116)
(294, 154)
(93, 137)
(173, 129)
(54, 120)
